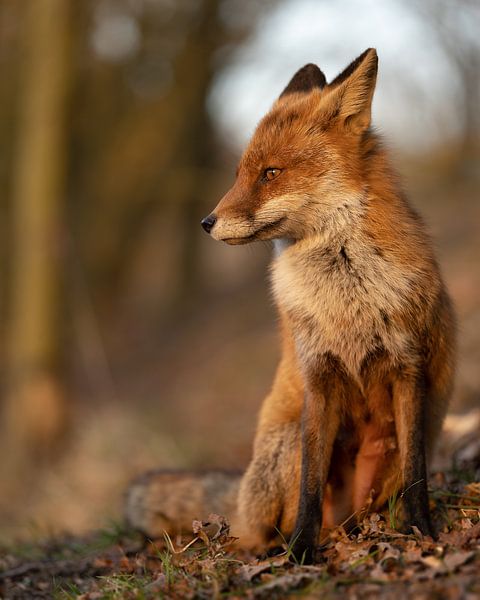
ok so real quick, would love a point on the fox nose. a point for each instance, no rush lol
(208, 222)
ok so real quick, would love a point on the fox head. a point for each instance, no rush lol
(303, 165)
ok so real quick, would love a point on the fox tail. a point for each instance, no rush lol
(168, 501)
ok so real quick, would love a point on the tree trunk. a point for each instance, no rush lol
(35, 414)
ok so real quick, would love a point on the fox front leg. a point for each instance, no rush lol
(320, 422)
(262, 496)
(409, 398)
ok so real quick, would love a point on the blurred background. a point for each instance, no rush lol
(128, 338)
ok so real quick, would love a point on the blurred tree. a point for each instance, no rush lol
(145, 148)
(92, 168)
(160, 133)
(157, 131)
(9, 18)
(35, 408)
(456, 26)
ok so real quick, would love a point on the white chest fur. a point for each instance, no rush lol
(339, 298)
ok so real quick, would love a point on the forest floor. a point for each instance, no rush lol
(375, 560)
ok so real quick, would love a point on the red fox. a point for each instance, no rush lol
(367, 326)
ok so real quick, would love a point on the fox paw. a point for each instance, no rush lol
(303, 550)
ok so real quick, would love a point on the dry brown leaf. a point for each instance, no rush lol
(417, 533)
(286, 582)
(379, 574)
(214, 532)
(460, 538)
(196, 526)
(373, 524)
(473, 488)
(466, 523)
(386, 550)
(435, 564)
(102, 562)
(248, 572)
(157, 585)
(453, 561)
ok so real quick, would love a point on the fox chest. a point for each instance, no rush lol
(341, 303)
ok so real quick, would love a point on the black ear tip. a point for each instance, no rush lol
(312, 71)
(310, 68)
(305, 79)
(372, 66)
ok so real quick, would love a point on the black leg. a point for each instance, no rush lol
(320, 421)
(409, 403)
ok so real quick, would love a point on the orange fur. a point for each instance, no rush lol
(368, 335)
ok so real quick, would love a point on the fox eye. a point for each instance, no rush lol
(271, 173)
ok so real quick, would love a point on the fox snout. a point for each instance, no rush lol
(240, 218)
(208, 222)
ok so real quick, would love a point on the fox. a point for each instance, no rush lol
(367, 327)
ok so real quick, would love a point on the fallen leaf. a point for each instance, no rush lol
(434, 564)
(460, 538)
(286, 582)
(378, 573)
(248, 572)
(453, 561)
(417, 533)
(157, 585)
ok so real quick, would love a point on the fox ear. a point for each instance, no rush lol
(305, 80)
(350, 98)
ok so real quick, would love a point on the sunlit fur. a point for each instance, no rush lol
(322, 178)
(367, 327)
